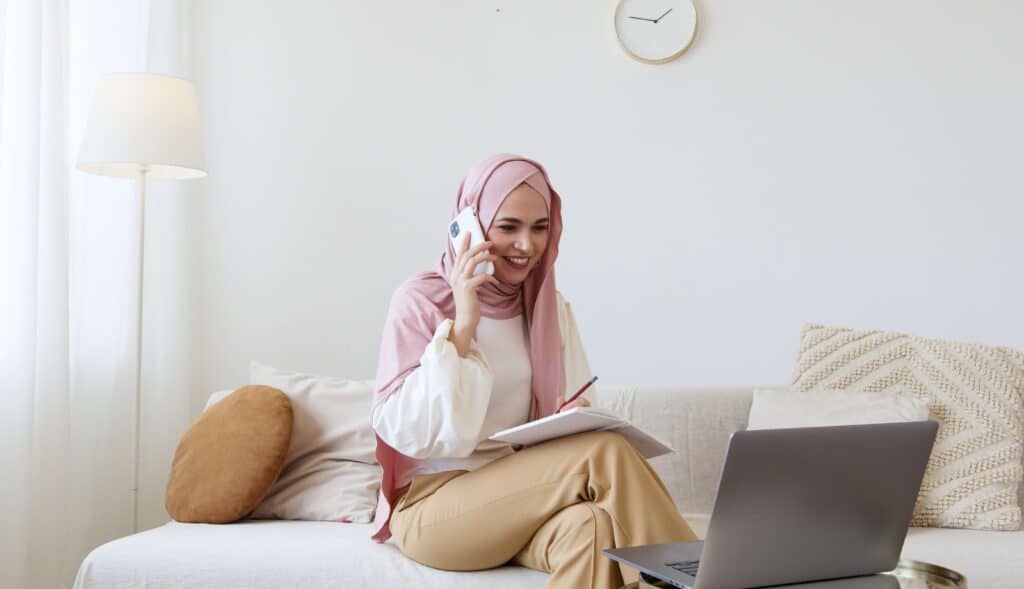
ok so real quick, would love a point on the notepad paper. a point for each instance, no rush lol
(578, 420)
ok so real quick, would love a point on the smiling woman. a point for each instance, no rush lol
(465, 355)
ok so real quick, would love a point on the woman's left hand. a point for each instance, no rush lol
(578, 402)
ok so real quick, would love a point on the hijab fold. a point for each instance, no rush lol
(423, 302)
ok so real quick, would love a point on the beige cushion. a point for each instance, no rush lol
(974, 391)
(697, 422)
(230, 458)
(779, 409)
(331, 473)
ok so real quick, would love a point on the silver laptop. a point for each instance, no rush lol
(801, 504)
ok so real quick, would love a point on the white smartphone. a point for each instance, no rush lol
(467, 221)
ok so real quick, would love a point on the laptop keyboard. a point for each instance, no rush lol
(685, 566)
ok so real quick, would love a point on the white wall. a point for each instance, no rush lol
(855, 163)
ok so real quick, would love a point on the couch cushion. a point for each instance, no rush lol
(330, 473)
(324, 554)
(229, 459)
(784, 409)
(697, 422)
(266, 554)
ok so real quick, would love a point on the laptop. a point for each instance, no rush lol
(801, 504)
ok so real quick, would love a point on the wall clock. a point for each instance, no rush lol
(655, 31)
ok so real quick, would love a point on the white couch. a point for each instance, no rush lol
(697, 422)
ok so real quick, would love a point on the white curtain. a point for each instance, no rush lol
(68, 280)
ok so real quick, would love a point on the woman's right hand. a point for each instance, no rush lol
(464, 284)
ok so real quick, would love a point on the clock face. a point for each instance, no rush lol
(655, 31)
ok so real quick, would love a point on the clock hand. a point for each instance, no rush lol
(663, 16)
(647, 19)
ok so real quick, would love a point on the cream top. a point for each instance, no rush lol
(449, 405)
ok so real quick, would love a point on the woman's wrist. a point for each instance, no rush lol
(460, 335)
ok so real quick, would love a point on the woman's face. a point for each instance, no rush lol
(519, 233)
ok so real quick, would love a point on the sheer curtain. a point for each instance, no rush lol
(68, 275)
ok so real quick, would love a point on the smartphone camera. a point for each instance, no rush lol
(454, 228)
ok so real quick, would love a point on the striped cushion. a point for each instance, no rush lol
(975, 392)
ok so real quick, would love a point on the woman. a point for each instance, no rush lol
(463, 357)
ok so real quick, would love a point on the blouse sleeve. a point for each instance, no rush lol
(440, 409)
(577, 368)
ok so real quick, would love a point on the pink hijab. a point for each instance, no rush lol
(424, 301)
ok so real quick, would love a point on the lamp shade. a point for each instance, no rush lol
(143, 122)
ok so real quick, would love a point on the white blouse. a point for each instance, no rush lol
(449, 405)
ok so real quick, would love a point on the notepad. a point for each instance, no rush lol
(578, 420)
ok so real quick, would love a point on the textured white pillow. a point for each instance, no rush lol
(331, 473)
(974, 391)
(779, 409)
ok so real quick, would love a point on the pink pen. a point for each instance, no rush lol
(578, 393)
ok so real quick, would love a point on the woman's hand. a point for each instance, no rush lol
(464, 285)
(577, 402)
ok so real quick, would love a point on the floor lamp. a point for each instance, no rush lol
(142, 126)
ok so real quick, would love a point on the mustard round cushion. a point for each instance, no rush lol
(231, 456)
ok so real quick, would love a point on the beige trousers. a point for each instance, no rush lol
(552, 507)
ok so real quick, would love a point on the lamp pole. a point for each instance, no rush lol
(137, 422)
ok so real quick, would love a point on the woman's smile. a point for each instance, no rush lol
(517, 262)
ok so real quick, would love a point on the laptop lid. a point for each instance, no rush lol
(803, 504)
